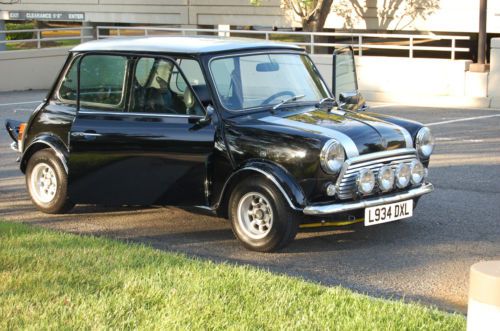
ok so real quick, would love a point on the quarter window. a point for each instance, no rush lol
(192, 70)
(102, 81)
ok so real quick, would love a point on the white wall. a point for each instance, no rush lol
(429, 82)
(30, 69)
(164, 12)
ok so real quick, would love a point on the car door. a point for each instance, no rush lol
(141, 142)
(345, 81)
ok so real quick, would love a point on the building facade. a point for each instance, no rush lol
(440, 16)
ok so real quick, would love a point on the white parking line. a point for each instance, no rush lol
(462, 120)
(381, 105)
(19, 103)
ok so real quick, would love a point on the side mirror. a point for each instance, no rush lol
(201, 122)
(209, 112)
(352, 101)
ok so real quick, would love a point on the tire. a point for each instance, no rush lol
(47, 183)
(260, 217)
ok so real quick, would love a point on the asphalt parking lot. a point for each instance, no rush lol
(426, 258)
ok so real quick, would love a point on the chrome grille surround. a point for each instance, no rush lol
(346, 182)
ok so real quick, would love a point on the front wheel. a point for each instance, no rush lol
(260, 217)
(47, 183)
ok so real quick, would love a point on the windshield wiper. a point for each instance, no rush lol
(326, 103)
(291, 99)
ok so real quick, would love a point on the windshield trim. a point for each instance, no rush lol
(262, 107)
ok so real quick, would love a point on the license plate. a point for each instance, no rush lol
(388, 213)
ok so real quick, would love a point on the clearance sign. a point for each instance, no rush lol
(46, 16)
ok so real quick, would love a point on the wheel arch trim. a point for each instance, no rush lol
(288, 187)
(50, 142)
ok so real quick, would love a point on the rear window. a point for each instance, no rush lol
(102, 80)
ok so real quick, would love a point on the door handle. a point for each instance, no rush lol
(87, 134)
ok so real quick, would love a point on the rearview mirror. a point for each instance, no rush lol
(267, 67)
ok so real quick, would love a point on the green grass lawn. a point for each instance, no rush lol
(52, 280)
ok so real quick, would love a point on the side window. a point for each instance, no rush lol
(155, 89)
(102, 81)
(192, 70)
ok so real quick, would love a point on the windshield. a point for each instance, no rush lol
(250, 81)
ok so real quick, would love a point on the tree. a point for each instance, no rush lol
(312, 13)
(391, 14)
(399, 13)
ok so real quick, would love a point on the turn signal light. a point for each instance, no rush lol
(20, 133)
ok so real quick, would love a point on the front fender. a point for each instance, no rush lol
(46, 141)
(292, 192)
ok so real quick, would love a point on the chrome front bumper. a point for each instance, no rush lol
(369, 202)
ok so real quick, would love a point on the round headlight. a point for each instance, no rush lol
(366, 181)
(385, 178)
(332, 157)
(417, 172)
(403, 175)
(424, 143)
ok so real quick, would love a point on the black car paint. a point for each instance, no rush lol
(131, 158)
(138, 159)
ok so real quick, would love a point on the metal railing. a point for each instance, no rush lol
(313, 40)
(40, 35)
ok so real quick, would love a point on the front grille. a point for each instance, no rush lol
(346, 183)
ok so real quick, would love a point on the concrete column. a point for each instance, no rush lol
(3, 47)
(224, 30)
(88, 33)
(484, 297)
(494, 76)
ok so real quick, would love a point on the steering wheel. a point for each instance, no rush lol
(277, 95)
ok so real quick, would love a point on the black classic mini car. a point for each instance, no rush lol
(246, 128)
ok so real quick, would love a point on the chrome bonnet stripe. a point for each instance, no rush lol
(350, 147)
(406, 134)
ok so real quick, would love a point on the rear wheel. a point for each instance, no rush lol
(47, 183)
(260, 217)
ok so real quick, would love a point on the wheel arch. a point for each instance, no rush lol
(280, 178)
(44, 142)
